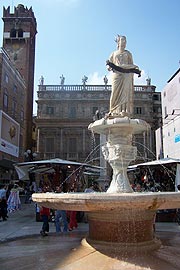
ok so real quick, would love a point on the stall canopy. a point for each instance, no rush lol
(162, 162)
(47, 166)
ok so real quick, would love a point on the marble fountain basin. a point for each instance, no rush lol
(122, 222)
(108, 201)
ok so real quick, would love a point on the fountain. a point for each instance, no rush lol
(120, 220)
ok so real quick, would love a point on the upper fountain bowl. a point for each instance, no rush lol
(102, 126)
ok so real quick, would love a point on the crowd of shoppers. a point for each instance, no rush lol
(155, 179)
(9, 200)
(64, 221)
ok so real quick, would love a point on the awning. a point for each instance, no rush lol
(7, 164)
(39, 166)
(163, 161)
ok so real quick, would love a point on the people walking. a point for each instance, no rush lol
(14, 202)
(60, 215)
(45, 215)
(72, 220)
(3, 203)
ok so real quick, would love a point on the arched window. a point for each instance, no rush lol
(13, 33)
(20, 33)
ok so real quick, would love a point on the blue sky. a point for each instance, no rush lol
(76, 37)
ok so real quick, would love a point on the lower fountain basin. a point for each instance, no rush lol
(122, 222)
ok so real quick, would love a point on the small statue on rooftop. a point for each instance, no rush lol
(62, 79)
(105, 80)
(84, 80)
(41, 80)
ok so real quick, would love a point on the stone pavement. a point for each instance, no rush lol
(23, 248)
(23, 223)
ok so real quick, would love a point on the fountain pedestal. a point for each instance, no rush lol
(118, 150)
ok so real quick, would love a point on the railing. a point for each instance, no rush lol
(143, 88)
(137, 88)
(74, 87)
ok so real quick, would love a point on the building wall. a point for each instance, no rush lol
(171, 117)
(64, 113)
(12, 94)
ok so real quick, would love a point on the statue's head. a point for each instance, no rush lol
(121, 41)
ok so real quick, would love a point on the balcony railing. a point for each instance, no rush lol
(137, 88)
(74, 87)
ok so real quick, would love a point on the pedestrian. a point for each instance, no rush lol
(3, 203)
(61, 215)
(14, 202)
(45, 215)
(72, 220)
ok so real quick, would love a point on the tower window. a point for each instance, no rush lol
(13, 33)
(20, 33)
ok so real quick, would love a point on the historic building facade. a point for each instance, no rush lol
(12, 95)
(19, 37)
(65, 111)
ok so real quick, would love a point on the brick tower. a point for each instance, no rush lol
(19, 38)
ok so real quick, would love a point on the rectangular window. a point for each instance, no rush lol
(72, 146)
(14, 105)
(22, 116)
(5, 101)
(155, 109)
(155, 97)
(138, 110)
(72, 112)
(15, 89)
(6, 78)
(49, 145)
(50, 110)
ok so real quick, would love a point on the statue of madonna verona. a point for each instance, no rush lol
(122, 95)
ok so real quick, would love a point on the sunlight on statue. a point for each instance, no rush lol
(122, 95)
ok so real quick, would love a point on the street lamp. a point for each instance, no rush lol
(29, 156)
